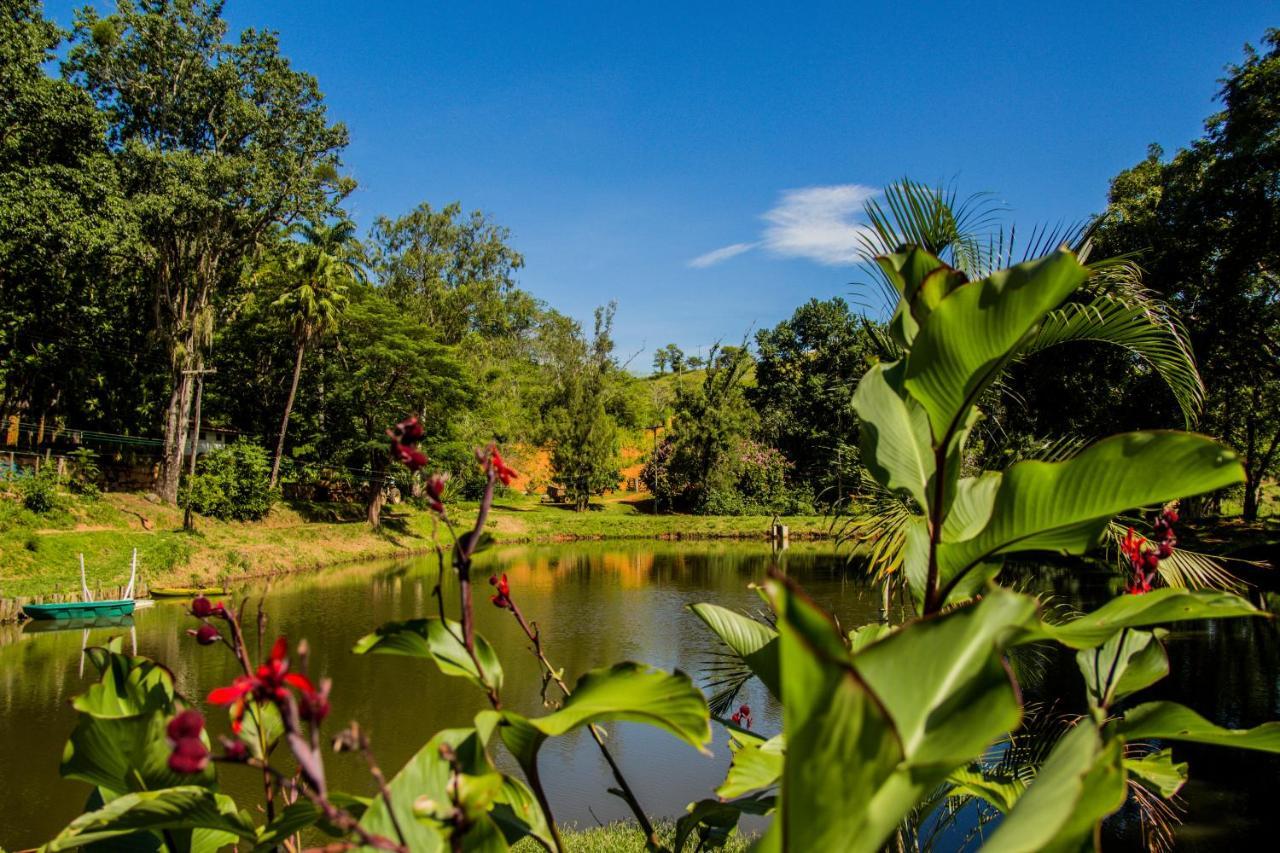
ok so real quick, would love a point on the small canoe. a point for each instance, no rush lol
(184, 591)
(80, 609)
(44, 626)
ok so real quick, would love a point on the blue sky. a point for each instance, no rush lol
(703, 163)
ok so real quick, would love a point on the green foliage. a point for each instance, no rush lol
(1202, 223)
(85, 473)
(582, 434)
(39, 491)
(806, 369)
(866, 751)
(232, 483)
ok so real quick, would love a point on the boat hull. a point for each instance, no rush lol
(80, 609)
(182, 591)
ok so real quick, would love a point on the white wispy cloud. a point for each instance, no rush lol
(816, 223)
(715, 256)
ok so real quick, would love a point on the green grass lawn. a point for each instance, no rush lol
(623, 837)
(39, 553)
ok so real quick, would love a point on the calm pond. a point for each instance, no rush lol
(597, 603)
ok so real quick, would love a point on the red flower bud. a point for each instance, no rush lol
(187, 724)
(503, 596)
(189, 756)
(234, 750)
(203, 608)
(206, 635)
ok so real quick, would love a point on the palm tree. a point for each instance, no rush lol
(317, 273)
(1113, 307)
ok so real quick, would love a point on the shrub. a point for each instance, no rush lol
(232, 483)
(85, 473)
(39, 491)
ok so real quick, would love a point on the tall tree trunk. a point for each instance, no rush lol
(1251, 486)
(175, 437)
(288, 410)
(373, 508)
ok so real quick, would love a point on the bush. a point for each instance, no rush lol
(39, 491)
(231, 483)
(85, 473)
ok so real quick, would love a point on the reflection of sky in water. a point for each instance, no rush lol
(597, 603)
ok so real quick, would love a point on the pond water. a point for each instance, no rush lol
(597, 603)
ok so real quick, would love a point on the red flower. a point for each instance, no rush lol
(408, 431)
(742, 716)
(203, 608)
(188, 753)
(409, 456)
(234, 750)
(500, 468)
(435, 491)
(503, 596)
(271, 683)
(206, 635)
(1131, 546)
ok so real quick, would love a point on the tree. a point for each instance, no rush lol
(456, 271)
(711, 421)
(218, 142)
(1205, 224)
(675, 357)
(660, 360)
(67, 343)
(385, 365)
(806, 370)
(582, 434)
(317, 274)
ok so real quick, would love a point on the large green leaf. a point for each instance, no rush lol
(970, 335)
(128, 686)
(1065, 506)
(716, 820)
(1158, 772)
(182, 808)
(959, 697)
(1081, 783)
(437, 640)
(1158, 607)
(894, 433)
(751, 640)
(502, 813)
(1124, 664)
(629, 692)
(1171, 721)
(757, 764)
(841, 744)
(130, 754)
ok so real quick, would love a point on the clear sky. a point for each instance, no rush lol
(703, 163)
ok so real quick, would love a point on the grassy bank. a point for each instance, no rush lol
(623, 837)
(38, 553)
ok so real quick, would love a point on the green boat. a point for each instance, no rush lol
(87, 608)
(80, 609)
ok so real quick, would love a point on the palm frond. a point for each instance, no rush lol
(1152, 334)
(877, 533)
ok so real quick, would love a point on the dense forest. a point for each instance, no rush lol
(175, 238)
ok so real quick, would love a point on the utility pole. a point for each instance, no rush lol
(656, 470)
(188, 520)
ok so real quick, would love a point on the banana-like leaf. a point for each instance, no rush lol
(754, 642)
(842, 748)
(973, 331)
(716, 820)
(1066, 506)
(130, 754)
(1153, 336)
(959, 698)
(178, 810)
(998, 790)
(1158, 772)
(128, 686)
(894, 433)
(438, 640)
(628, 692)
(1158, 607)
(1082, 782)
(1171, 721)
(757, 764)
(501, 808)
(1124, 664)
